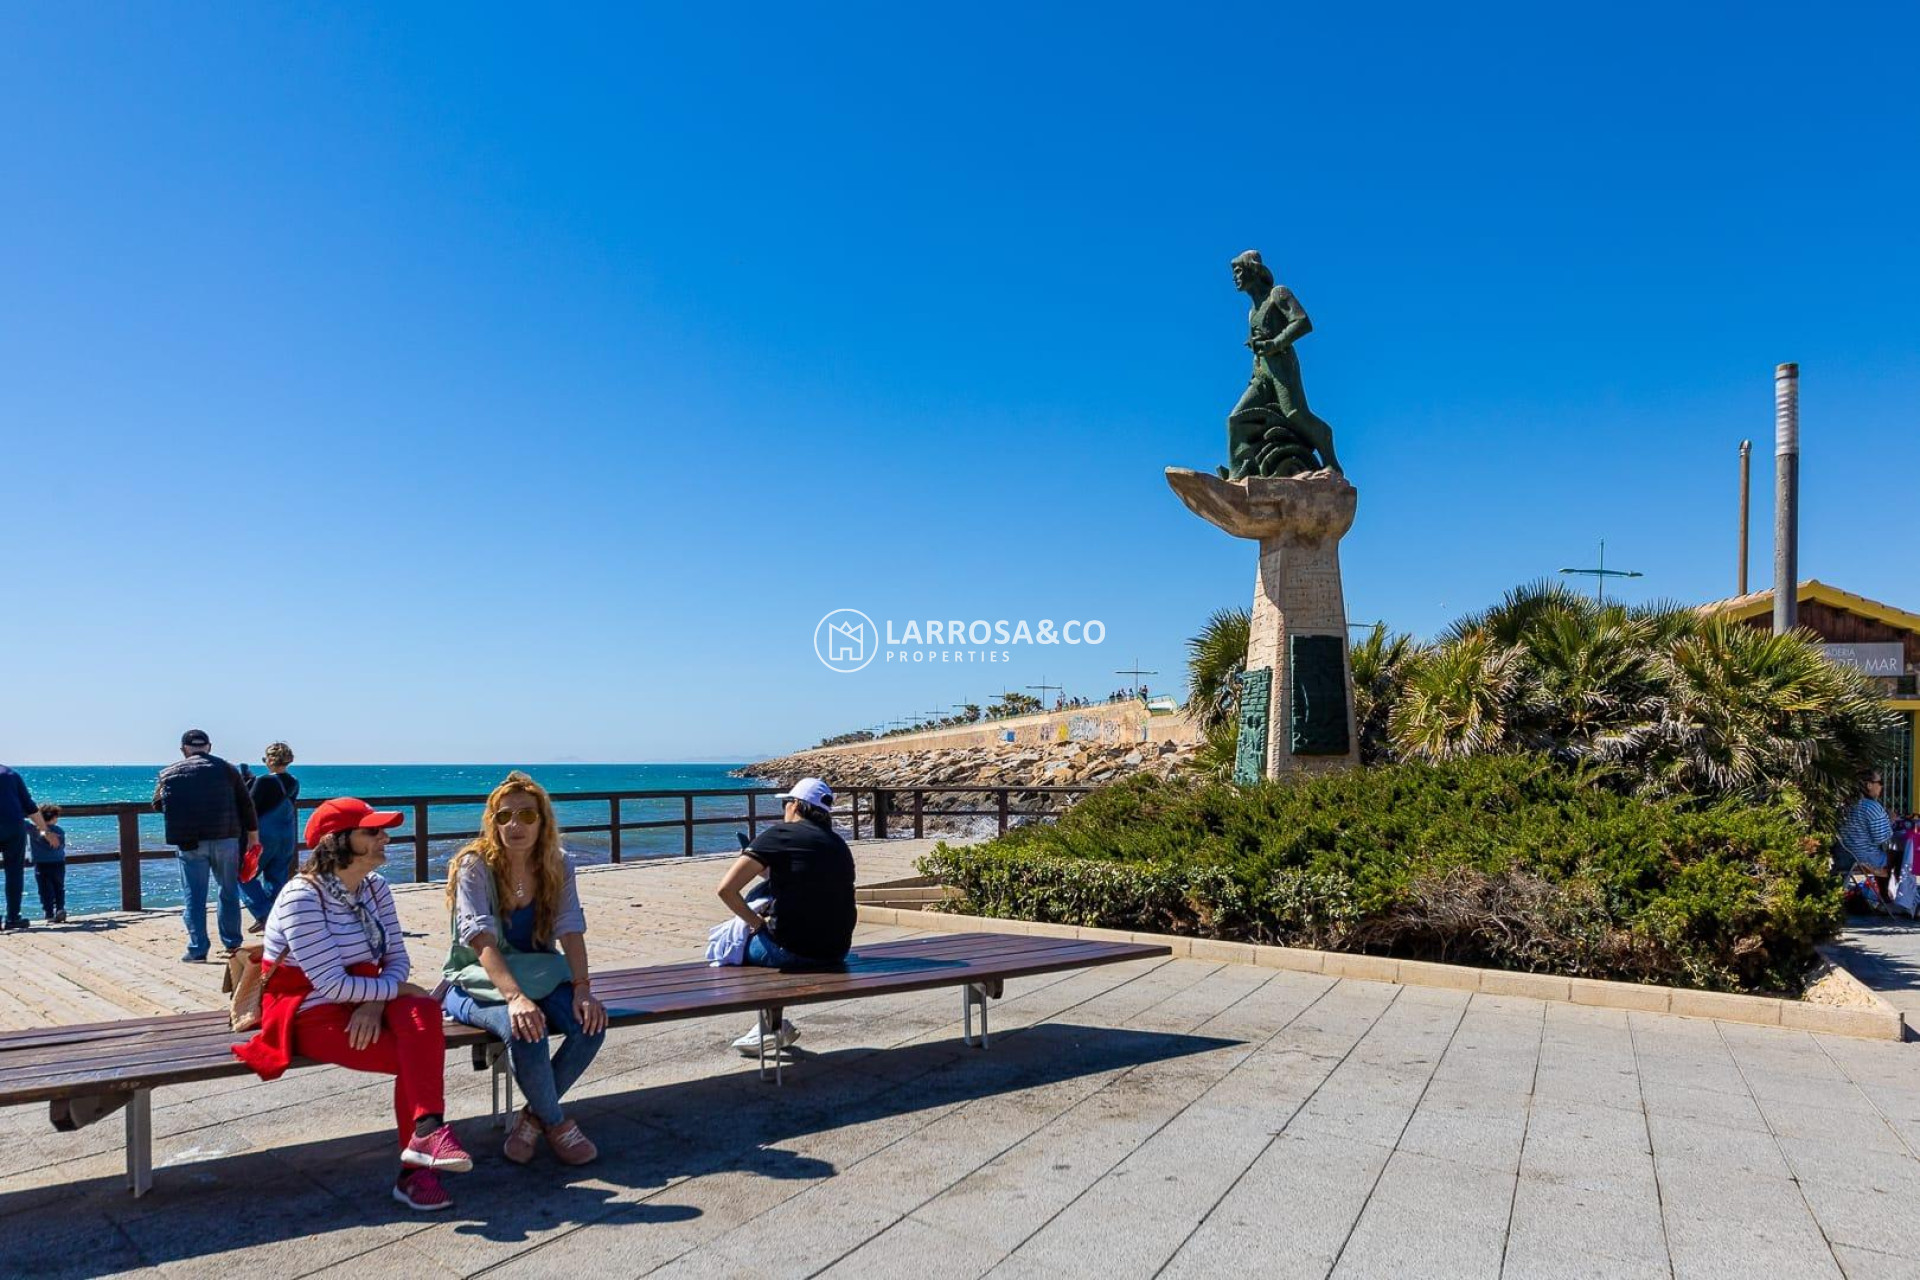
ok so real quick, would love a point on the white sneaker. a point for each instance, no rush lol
(749, 1043)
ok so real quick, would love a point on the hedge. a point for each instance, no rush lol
(1506, 862)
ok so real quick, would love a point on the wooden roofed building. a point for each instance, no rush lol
(1878, 639)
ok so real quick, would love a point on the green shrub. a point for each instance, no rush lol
(1505, 861)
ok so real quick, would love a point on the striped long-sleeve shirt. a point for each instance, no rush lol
(1865, 830)
(321, 938)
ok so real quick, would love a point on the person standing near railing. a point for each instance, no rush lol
(17, 809)
(273, 795)
(50, 864)
(208, 810)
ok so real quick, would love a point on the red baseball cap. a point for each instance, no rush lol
(344, 813)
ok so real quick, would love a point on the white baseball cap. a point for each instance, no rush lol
(811, 791)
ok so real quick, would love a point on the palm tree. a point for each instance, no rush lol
(1215, 660)
(1458, 700)
(1381, 664)
(1750, 714)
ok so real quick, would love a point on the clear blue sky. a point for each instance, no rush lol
(433, 383)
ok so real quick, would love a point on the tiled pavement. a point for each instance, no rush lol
(1175, 1117)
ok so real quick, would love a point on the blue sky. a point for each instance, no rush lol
(434, 383)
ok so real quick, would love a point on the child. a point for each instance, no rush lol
(49, 854)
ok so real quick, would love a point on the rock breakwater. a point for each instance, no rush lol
(1057, 764)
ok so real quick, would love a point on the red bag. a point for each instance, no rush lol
(250, 864)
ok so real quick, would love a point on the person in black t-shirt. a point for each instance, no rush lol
(806, 914)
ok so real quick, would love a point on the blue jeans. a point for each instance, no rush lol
(277, 847)
(221, 858)
(543, 1079)
(765, 952)
(13, 854)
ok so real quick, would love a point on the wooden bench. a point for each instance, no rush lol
(87, 1072)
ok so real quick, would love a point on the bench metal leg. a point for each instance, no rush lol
(970, 995)
(501, 1082)
(779, 1076)
(140, 1142)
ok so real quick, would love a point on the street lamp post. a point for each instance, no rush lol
(1601, 574)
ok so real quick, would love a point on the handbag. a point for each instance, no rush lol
(536, 973)
(245, 980)
(250, 864)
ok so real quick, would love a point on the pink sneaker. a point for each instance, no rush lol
(438, 1150)
(420, 1189)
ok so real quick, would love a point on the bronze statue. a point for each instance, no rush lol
(1271, 432)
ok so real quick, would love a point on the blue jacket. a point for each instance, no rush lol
(40, 851)
(15, 802)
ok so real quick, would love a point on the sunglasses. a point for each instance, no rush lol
(525, 817)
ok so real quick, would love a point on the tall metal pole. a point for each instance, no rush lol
(1786, 497)
(1746, 489)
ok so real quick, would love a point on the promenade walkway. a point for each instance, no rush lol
(1177, 1118)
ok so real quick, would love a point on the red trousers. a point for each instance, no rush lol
(412, 1048)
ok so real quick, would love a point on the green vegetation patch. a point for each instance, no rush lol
(1507, 861)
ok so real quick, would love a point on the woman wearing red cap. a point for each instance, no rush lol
(337, 991)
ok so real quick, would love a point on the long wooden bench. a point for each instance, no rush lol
(87, 1072)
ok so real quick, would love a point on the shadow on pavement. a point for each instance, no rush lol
(308, 1205)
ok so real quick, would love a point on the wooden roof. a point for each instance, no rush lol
(1813, 591)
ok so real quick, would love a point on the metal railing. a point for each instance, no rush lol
(874, 810)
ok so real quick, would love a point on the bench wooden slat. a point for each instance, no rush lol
(208, 1042)
(23, 1049)
(47, 1064)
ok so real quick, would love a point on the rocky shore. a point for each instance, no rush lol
(1058, 764)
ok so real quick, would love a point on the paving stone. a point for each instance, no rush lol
(1430, 1217)
(1292, 1210)
(1869, 1264)
(1561, 1230)
(1721, 1226)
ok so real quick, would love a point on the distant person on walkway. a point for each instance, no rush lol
(1866, 833)
(273, 795)
(513, 899)
(49, 847)
(336, 970)
(208, 811)
(808, 914)
(17, 811)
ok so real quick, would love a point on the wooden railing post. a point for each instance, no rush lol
(880, 799)
(919, 808)
(689, 822)
(420, 842)
(1003, 807)
(854, 796)
(753, 814)
(129, 816)
(613, 828)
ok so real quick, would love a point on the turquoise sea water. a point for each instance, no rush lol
(97, 887)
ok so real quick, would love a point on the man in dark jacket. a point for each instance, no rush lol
(16, 810)
(208, 810)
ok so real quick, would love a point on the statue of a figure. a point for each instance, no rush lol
(1271, 432)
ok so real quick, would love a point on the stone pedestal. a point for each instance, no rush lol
(1296, 700)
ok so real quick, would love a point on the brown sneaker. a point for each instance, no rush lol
(524, 1137)
(570, 1146)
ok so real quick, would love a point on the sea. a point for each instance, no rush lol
(96, 887)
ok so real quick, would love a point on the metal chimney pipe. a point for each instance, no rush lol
(1746, 489)
(1786, 497)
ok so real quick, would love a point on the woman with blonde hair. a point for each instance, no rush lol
(513, 900)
